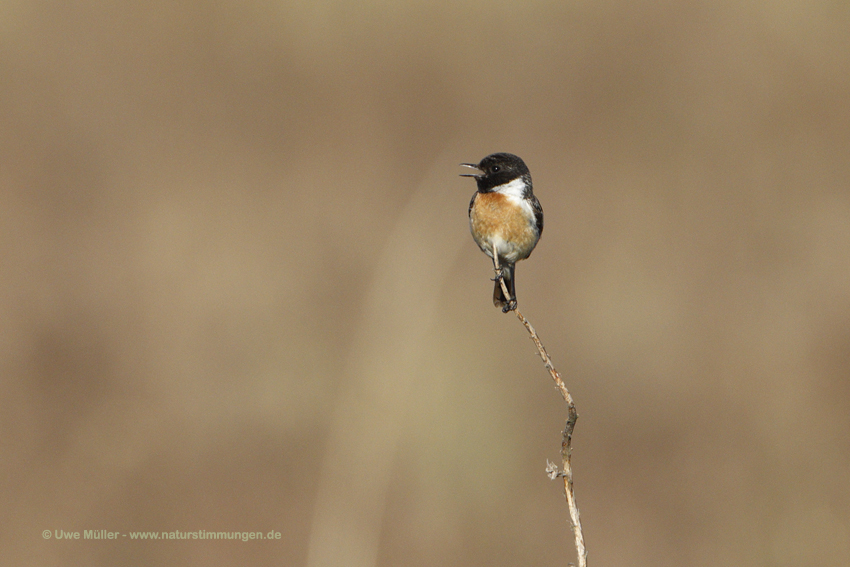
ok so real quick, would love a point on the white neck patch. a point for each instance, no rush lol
(513, 189)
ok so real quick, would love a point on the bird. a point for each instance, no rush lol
(505, 218)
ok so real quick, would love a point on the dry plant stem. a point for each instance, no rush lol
(567, 435)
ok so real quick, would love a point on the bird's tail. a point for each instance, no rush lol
(499, 299)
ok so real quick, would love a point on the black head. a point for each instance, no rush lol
(498, 169)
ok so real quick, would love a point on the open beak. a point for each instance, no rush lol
(473, 166)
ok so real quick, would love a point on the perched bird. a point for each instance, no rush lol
(505, 217)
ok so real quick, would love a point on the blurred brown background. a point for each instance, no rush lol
(239, 293)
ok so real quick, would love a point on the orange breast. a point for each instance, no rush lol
(496, 219)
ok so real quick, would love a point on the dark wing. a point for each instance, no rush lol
(538, 214)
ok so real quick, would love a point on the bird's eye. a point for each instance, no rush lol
(495, 168)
